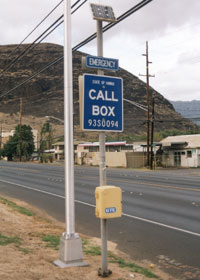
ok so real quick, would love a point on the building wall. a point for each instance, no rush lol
(116, 159)
(136, 160)
(184, 159)
(198, 156)
(113, 159)
(35, 137)
(59, 152)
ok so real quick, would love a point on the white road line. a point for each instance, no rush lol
(85, 203)
(33, 189)
(91, 205)
(162, 225)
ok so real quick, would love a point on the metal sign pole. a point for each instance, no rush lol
(70, 251)
(102, 169)
(102, 166)
(68, 113)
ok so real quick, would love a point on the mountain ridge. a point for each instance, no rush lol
(43, 95)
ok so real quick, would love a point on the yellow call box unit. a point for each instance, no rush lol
(108, 202)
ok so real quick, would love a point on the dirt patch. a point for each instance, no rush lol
(25, 254)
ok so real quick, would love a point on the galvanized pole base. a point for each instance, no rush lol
(70, 251)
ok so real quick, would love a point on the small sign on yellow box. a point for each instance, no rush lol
(108, 202)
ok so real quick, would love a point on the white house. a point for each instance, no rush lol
(59, 150)
(182, 150)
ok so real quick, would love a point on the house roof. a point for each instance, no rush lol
(58, 143)
(61, 143)
(191, 141)
(90, 144)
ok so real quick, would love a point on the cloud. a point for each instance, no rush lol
(20, 17)
(170, 26)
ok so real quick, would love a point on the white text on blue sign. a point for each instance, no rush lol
(106, 96)
(102, 63)
(103, 103)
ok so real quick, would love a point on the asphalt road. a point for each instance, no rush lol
(161, 220)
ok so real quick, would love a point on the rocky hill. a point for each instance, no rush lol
(43, 94)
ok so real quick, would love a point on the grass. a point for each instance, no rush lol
(85, 242)
(24, 250)
(5, 240)
(89, 249)
(94, 250)
(16, 207)
(52, 241)
(132, 266)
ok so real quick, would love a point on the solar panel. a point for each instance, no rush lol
(103, 13)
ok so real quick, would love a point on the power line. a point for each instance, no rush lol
(112, 24)
(79, 6)
(76, 3)
(34, 44)
(52, 91)
(35, 28)
(93, 36)
(33, 75)
(31, 46)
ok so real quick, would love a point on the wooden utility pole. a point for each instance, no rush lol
(20, 131)
(152, 131)
(1, 138)
(49, 135)
(147, 99)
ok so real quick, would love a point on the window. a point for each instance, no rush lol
(189, 154)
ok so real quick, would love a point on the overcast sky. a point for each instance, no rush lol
(172, 28)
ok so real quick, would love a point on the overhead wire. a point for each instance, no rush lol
(76, 3)
(78, 7)
(31, 46)
(52, 91)
(107, 27)
(90, 38)
(93, 36)
(35, 43)
(31, 32)
(112, 24)
(138, 120)
(32, 76)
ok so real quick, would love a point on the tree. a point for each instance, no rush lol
(46, 136)
(9, 149)
(12, 147)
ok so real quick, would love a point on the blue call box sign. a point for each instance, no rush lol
(102, 63)
(102, 103)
